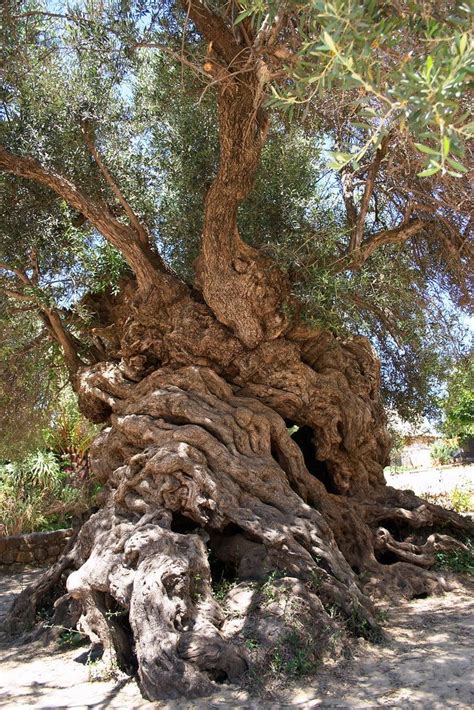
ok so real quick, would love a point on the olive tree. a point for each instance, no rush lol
(241, 439)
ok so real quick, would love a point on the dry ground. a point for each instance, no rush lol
(435, 480)
(425, 662)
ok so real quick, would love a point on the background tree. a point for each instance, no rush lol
(240, 439)
(458, 405)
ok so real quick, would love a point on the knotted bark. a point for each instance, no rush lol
(207, 480)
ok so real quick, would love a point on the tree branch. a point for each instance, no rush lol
(226, 264)
(41, 13)
(52, 322)
(35, 267)
(33, 343)
(18, 272)
(363, 305)
(142, 234)
(347, 179)
(214, 29)
(357, 259)
(65, 340)
(390, 236)
(141, 258)
(18, 295)
(358, 231)
(179, 57)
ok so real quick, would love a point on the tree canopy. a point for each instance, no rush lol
(458, 405)
(361, 193)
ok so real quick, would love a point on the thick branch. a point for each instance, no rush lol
(214, 29)
(35, 267)
(51, 320)
(142, 235)
(347, 179)
(65, 340)
(357, 236)
(243, 288)
(144, 262)
(17, 295)
(17, 272)
(389, 236)
(364, 305)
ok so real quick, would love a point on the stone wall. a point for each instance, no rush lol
(38, 548)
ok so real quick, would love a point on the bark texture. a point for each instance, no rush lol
(209, 483)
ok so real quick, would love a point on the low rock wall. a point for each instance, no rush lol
(34, 548)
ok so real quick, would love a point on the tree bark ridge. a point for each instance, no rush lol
(204, 477)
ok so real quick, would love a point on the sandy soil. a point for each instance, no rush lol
(425, 662)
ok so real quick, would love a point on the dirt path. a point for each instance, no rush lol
(425, 663)
(435, 480)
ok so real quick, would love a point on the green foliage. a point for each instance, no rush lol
(462, 499)
(30, 376)
(70, 434)
(460, 560)
(302, 661)
(22, 507)
(404, 64)
(267, 590)
(443, 452)
(252, 644)
(41, 498)
(458, 406)
(294, 656)
(46, 488)
(299, 219)
(39, 470)
(222, 589)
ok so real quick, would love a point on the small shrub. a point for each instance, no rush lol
(442, 452)
(461, 560)
(461, 499)
(36, 494)
(222, 589)
(71, 436)
(298, 658)
(267, 590)
(252, 644)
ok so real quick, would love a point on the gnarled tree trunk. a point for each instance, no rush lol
(206, 481)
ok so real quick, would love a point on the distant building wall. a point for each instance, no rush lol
(417, 452)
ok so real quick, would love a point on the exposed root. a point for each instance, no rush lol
(196, 472)
(23, 613)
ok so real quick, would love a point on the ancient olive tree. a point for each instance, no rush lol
(239, 441)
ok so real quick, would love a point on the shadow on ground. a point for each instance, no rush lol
(425, 663)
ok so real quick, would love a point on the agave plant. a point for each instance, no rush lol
(71, 436)
(41, 469)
